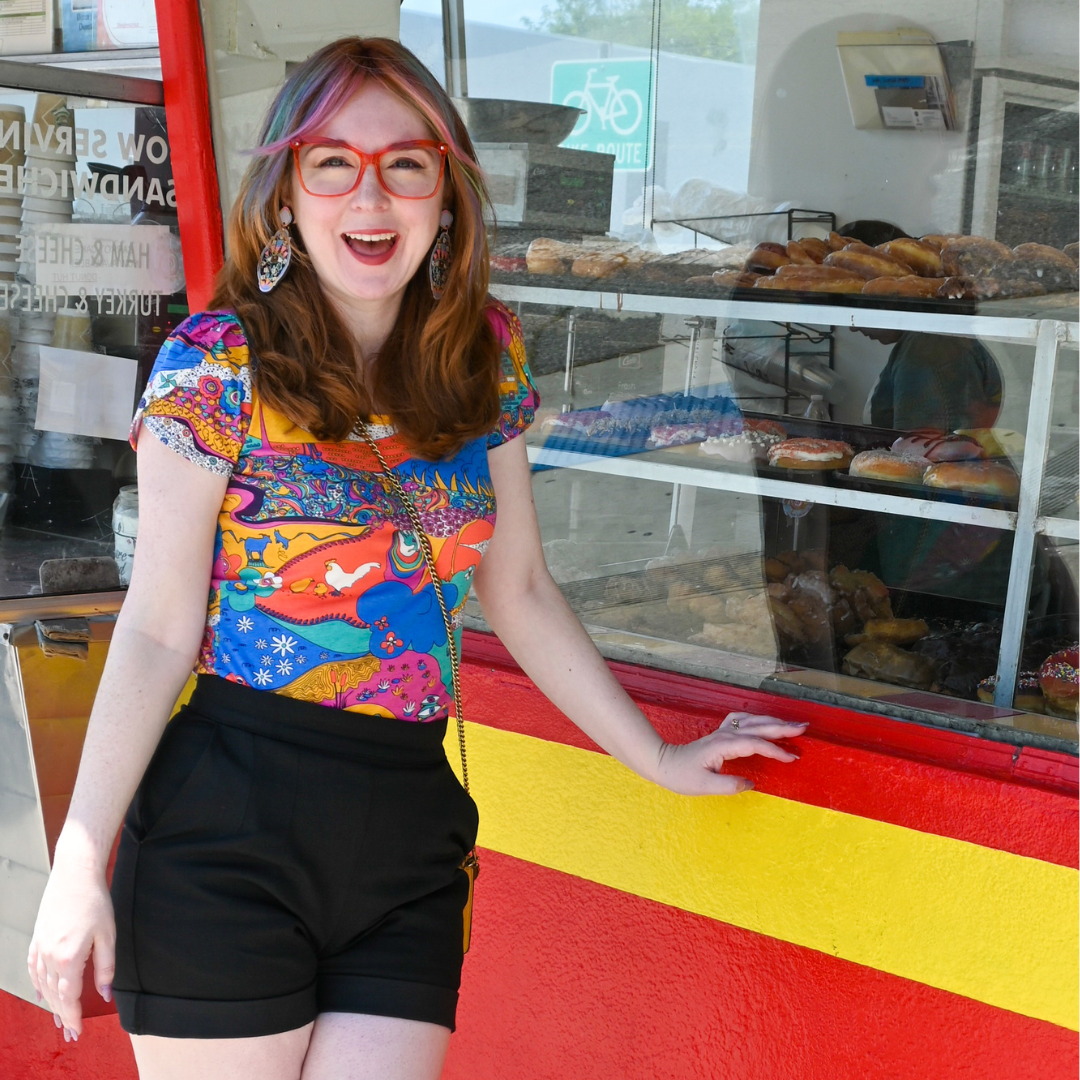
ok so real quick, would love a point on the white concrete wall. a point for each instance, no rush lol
(804, 146)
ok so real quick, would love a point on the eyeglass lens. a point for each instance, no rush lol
(332, 170)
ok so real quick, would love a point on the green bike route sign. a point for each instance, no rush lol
(616, 97)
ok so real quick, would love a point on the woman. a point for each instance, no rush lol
(288, 891)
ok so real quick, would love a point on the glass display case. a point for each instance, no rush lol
(767, 222)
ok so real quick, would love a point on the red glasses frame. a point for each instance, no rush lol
(366, 160)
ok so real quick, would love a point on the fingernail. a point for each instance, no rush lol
(748, 785)
(40, 996)
(67, 1035)
(74, 1035)
(106, 992)
(56, 1020)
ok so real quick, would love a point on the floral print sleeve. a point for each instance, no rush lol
(517, 392)
(198, 399)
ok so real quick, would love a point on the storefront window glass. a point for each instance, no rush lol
(729, 224)
(91, 283)
(677, 334)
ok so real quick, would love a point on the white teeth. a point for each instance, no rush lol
(370, 237)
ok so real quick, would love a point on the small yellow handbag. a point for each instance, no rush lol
(471, 864)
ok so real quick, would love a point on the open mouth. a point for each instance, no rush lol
(371, 247)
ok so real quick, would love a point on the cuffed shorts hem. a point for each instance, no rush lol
(188, 1018)
(185, 1018)
(388, 997)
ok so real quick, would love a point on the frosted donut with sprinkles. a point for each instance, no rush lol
(1060, 683)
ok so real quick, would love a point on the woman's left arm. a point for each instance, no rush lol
(524, 607)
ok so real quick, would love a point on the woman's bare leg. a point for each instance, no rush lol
(270, 1057)
(352, 1046)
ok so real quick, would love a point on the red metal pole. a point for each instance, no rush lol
(187, 114)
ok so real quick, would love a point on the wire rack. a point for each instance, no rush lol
(718, 228)
(728, 573)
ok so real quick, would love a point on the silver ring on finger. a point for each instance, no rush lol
(734, 723)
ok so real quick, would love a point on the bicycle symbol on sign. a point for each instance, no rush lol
(619, 108)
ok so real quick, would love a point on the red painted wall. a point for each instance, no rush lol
(567, 978)
(32, 1049)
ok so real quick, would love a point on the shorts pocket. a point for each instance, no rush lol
(195, 782)
(466, 818)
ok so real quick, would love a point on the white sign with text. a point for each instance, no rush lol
(79, 256)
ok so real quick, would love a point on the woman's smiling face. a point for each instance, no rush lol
(366, 246)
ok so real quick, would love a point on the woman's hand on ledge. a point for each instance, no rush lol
(694, 768)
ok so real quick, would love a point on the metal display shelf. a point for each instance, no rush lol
(1061, 528)
(1048, 335)
(988, 327)
(748, 484)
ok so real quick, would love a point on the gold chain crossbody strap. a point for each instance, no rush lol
(471, 865)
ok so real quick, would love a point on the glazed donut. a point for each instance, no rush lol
(813, 273)
(546, 256)
(865, 262)
(837, 242)
(817, 454)
(923, 258)
(937, 446)
(1058, 682)
(799, 283)
(815, 248)
(735, 279)
(885, 465)
(767, 257)
(799, 255)
(938, 240)
(973, 256)
(911, 285)
(599, 265)
(982, 477)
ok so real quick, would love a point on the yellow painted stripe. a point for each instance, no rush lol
(996, 927)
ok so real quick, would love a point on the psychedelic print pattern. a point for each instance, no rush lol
(319, 589)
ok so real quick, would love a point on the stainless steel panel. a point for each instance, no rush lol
(14, 978)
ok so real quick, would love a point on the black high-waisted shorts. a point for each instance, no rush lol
(282, 859)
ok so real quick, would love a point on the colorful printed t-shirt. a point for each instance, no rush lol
(319, 590)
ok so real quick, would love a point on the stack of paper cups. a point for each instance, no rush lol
(7, 407)
(50, 158)
(34, 330)
(11, 201)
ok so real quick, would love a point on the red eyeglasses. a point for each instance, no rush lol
(408, 170)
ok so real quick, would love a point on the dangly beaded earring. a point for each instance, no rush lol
(439, 263)
(276, 256)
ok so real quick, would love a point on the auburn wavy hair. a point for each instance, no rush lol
(437, 376)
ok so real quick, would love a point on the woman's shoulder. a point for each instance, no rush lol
(503, 322)
(207, 337)
(518, 396)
